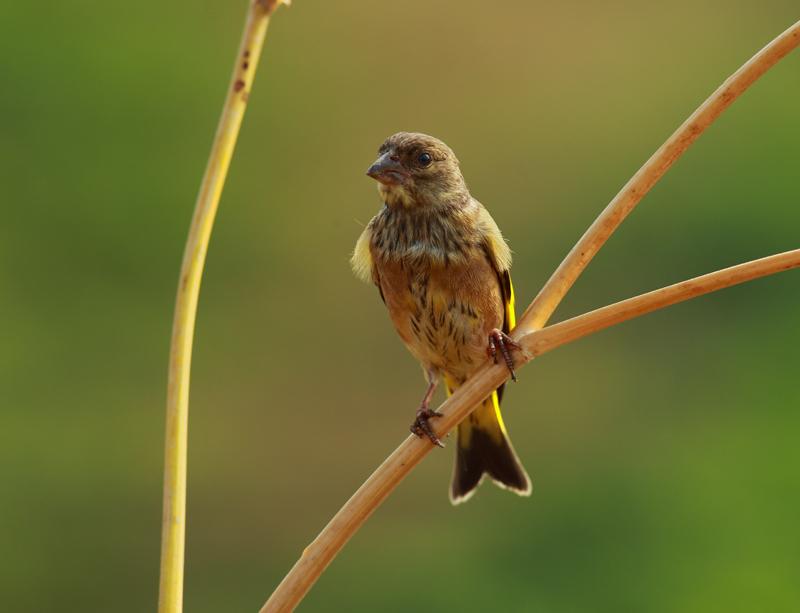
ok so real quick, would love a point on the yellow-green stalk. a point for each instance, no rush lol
(173, 536)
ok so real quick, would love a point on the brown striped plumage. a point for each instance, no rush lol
(441, 266)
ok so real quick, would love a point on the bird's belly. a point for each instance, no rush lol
(447, 341)
(446, 331)
(444, 314)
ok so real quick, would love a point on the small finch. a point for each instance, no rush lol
(441, 267)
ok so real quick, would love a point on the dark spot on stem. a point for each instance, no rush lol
(237, 87)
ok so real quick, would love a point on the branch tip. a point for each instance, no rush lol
(270, 6)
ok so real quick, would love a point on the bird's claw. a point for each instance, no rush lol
(421, 428)
(497, 338)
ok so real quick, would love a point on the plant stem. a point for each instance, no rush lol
(489, 376)
(554, 290)
(486, 379)
(541, 341)
(173, 535)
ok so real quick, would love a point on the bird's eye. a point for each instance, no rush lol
(425, 159)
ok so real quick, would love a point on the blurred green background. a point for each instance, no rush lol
(663, 452)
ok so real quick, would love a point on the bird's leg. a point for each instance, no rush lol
(497, 338)
(420, 427)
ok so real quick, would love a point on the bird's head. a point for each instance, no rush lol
(418, 171)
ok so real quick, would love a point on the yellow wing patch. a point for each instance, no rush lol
(362, 258)
(508, 299)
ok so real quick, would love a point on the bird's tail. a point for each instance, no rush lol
(484, 449)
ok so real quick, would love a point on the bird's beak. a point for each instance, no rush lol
(388, 170)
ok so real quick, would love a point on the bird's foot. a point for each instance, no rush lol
(500, 339)
(422, 428)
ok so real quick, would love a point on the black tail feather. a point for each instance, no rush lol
(483, 454)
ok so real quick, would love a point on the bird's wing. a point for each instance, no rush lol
(510, 319)
(499, 256)
(507, 291)
(362, 263)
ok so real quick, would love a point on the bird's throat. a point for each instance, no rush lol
(396, 195)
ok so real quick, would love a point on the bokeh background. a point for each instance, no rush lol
(663, 452)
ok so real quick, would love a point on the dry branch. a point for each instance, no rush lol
(541, 341)
(554, 290)
(489, 376)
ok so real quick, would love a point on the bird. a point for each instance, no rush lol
(441, 266)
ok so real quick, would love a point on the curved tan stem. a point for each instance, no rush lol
(541, 341)
(173, 530)
(554, 290)
(486, 379)
(489, 376)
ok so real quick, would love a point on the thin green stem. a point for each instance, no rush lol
(173, 535)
